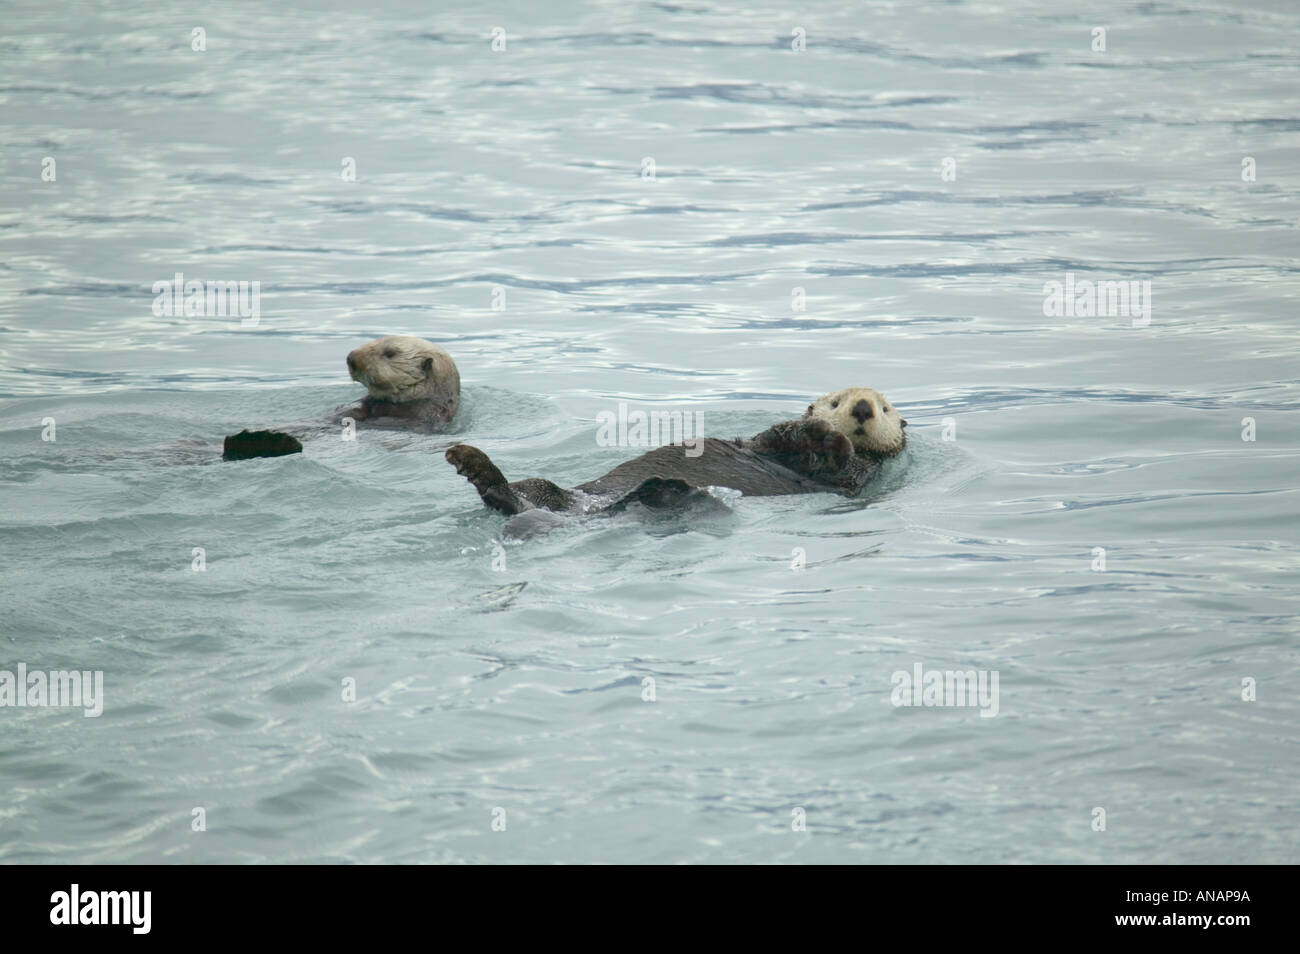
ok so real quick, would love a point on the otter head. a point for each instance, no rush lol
(400, 368)
(865, 417)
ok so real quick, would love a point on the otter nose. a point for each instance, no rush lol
(862, 411)
(352, 362)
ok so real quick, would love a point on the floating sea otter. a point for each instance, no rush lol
(837, 446)
(410, 383)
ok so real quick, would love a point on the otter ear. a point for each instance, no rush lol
(427, 365)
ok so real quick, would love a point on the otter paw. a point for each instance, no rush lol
(475, 466)
(816, 427)
(838, 447)
(460, 455)
(658, 493)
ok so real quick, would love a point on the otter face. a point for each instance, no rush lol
(400, 368)
(865, 416)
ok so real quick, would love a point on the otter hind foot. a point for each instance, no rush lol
(663, 493)
(476, 467)
(247, 445)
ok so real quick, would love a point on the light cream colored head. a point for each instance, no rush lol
(400, 368)
(865, 416)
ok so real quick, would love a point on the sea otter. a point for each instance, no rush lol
(836, 446)
(410, 383)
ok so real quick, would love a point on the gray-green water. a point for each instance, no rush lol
(514, 677)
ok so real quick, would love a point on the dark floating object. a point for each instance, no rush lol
(249, 444)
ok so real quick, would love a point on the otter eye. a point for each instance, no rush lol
(390, 353)
(834, 404)
(886, 408)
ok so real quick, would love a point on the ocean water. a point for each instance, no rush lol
(668, 205)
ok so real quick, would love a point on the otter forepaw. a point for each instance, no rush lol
(815, 427)
(838, 447)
